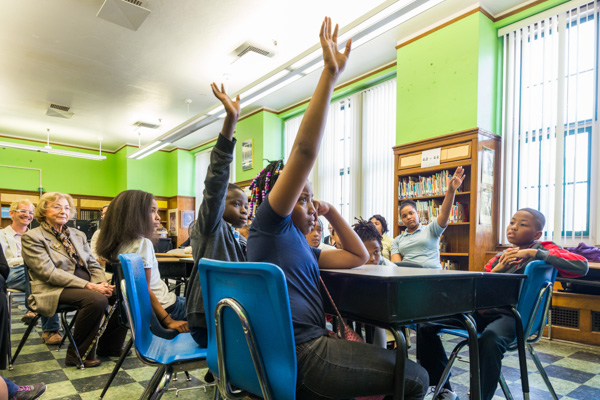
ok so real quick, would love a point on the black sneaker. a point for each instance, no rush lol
(30, 392)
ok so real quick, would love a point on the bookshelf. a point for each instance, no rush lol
(472, 230)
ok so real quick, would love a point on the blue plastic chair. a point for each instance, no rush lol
(154, 345)
(251, 342)
(534, 302)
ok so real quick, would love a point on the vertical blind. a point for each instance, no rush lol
(354, 169)
(550, 125)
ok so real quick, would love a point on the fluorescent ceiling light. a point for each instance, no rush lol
(146, 152)
(264, 83)
(216, 110)
(271, 90)
(50, 150)
(145, 149)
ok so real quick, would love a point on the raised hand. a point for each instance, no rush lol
(457, 179)
(335, 62)
(232, 107)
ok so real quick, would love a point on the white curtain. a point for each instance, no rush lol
(377, 139)
(550, 125)
(290, 130)
(326, 187)
(202, 163)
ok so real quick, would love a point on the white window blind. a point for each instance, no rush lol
(354, 169)
(202, 163)
(550, 123)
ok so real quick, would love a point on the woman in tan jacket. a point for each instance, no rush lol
(63, 271)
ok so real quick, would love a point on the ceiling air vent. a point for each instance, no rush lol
(248, 47)
(59, 111)
(147, 125)
(128, 13)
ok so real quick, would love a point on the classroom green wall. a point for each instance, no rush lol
(437, 82)
(266, 131)
(59, 173)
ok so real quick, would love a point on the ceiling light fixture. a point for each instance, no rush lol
(375, 25)
(49, 150)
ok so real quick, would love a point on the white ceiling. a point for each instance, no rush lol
(59, 52)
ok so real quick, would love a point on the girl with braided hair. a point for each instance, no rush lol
(284, 212)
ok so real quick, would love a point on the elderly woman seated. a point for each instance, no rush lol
(63, 271)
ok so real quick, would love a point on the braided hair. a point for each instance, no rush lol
(366, 230)
(262, 185)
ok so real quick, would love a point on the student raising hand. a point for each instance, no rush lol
(232, 107)
(335, 62)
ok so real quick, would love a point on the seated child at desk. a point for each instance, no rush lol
(224, 207)
(497, 326)
(314, 237)
(327, 367)
(420, 244)
(369, 234)
(129, 227)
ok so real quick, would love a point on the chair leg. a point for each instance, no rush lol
(9, 301)
(25, 337)
(67, 328)
(158, 383)
(540, 368)
(446, 372)
(70, 325)
(505, 388)
(116, 368)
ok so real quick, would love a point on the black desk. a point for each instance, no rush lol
(175, 267)
(391, 297)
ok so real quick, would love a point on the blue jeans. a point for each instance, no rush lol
(16, 280)
(177, 309)
(497, 332)
(330, 368)
(12, 388)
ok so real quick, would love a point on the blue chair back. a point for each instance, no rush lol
(138, 297)
(534, 300)
(261, 289)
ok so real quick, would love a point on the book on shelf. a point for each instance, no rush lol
(420, 186)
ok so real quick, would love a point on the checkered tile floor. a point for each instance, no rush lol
(38, 362)
(574, 370)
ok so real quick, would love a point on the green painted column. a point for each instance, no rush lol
(447, 81)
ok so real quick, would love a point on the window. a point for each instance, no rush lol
(550, 122)
(354, 169)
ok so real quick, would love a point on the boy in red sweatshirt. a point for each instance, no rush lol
(497, 326)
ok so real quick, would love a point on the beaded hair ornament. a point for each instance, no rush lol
(257, 195)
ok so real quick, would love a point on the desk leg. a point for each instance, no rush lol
(400, 363)
(522, 356)
(470, 326)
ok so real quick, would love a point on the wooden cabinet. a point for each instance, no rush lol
(467, 239)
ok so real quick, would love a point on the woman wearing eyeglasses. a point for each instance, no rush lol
(63, 271)
(21, 214)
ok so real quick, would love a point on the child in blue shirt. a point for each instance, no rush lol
(327, 368)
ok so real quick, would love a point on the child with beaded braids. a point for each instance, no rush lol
(223, 208)
(282, 201)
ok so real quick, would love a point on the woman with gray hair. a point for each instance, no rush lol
(63, 271)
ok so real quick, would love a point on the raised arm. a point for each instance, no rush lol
(457, 179)
(353, 252)
(211, 209)
(306, 146)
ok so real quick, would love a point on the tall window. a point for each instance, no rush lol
(354, 169)
(550, 122)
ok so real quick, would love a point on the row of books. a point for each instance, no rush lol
(428, 210)
(89, 214)
(450, 265)
(419, 186)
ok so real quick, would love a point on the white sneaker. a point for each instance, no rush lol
(446, 394)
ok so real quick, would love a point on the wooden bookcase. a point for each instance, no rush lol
(466, 242)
